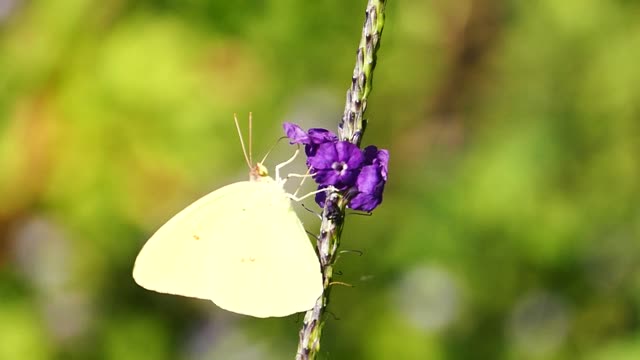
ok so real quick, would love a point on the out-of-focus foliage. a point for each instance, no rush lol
(511, 222)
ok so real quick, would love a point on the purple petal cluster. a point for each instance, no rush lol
(341, 164)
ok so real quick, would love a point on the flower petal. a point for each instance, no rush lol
(321, 136)
(295, 133)
(370, 185)
(369, 179)
(380, 157)
(370, 153)
(365, 202)
(326, 154)
(350, 154)
(383, 159)
(321, 196)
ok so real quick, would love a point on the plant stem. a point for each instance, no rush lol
(351, 128)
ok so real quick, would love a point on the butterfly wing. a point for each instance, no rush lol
(241, 246)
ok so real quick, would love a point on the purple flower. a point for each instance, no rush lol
(369, 186)
(360, 174)
(337, 164)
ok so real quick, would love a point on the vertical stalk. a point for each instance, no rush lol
(351, 128)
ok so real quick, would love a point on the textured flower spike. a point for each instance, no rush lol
(341, 164)
(366, 194)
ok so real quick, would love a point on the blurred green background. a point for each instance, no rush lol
(510, 227)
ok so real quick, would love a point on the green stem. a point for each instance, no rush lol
(351, 128)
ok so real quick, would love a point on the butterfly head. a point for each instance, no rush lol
(259, 173)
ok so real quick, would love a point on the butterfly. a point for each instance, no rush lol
(241, 246)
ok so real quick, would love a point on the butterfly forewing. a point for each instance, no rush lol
(241, 246)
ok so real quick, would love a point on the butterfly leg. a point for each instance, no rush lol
(298, 199)
(281, 165)
(304, 177)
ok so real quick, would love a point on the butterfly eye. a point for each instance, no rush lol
(262, 170)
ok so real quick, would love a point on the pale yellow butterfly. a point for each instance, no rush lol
(241, 246)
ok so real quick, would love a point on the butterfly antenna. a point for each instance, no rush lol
(250, 136)
(272, 147)
(244, 150)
